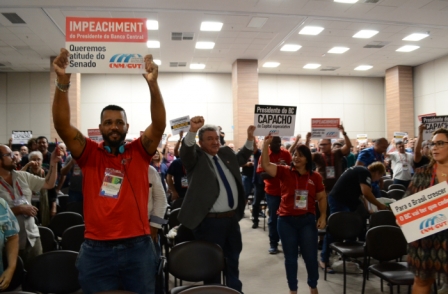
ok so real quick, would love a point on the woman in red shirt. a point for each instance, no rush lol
(300, 188)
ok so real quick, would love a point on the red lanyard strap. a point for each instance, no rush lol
(434, 174)
(11, 192)
(331, 159)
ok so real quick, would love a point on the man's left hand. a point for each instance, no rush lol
(321, 222)
(341, 128)
(152, 70)
(250, 133)
(154, 232)
(55, 157)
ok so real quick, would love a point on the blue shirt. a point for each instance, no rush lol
(369, 156)
(9, 226)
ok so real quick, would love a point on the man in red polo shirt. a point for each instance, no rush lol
(272, 189)
(118, 252)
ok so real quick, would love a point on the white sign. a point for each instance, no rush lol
(274, 120)
(361, 138)
(106, 45)
(95, 135)
(21, 137)
(398, 136)
(433, 123)
(424, 213)
(163, 141)
(325, 128)
(180, 124)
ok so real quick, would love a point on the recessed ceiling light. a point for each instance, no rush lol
(363, 67)
(211, 26)
(290, 47)
(310, 30)
(365, 34)
(205, 45)
(152, 25)
(407, 48)
(416, 37)
(153, 44)
(312, 65)
(271, 64)
(346, 1)
(157, 61)
(197, 66)
(338, 50)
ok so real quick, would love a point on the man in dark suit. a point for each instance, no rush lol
(214, 202)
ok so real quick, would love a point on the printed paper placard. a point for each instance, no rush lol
(274, 120)
(163, 141)
(361, 138)
(325, 128)
(398, 136)
(433, 123)
(106, 45)
(424, 213)
(21, 137)
(95, 135)
(180, 124)
(425, 115)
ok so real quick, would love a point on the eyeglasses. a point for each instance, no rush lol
(10, 154)
(438, 144)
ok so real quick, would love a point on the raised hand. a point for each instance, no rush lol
(196, 123)
(250, 133)
(60, 63)
(421, 128)
(152, 70)
(267, 140)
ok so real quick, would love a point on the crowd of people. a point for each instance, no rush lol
(125, 187)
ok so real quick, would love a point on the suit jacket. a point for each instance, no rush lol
(203, 185)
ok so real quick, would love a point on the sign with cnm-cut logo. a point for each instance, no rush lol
(424, 213)
(325, 128)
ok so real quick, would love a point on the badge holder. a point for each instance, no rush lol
(301, 199)
(330, 172)
(113, 179)
(184, 182)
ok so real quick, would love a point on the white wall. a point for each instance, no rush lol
(24, 104)
(358, 102)
(209, 95)
(431, 88)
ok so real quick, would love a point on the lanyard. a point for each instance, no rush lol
(331, 159)
(11, 192)
(405, 158)
(297, 181)
(434, 174)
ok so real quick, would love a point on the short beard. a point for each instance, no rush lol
(114, 144)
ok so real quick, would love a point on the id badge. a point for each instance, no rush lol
(405, 167)
(330, 172)
(76, 170)
(184, 182)
(111, 183)
(301, 199)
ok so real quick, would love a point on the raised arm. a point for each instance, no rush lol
(294, 145)
(153, 133)
(346, 148)
(244, 154)
(187, 151)
(71, 136)
(52, 175)
(269, 168)
(418, 147)
(176, 147)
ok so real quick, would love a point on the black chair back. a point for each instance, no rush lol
(210, 289)
(177, 203)
(47, 239)
(196, 261)
(398, 187)
(395, 194)
(387, 183)
(384, 194)
(184, 234)
(64, 220)
(385, 243)
(345, 225)
(19, 273)
(76, 207)
(172, 219)
(72, 238)
(382, 218)
(53, 272)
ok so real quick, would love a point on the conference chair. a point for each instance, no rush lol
(395, 194)
(397, 186)
(47, 239)
(387, 183)
(64, 220)
(210, 289)
(72, 238)
(76, 207)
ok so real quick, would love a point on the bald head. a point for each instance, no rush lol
(4, 149)
(381, 145)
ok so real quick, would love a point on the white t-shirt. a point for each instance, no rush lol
(402, 165)
(24, 184)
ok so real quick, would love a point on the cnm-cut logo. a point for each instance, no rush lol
(273, 132)
(126, 61)
(331, 134)
(432, 223)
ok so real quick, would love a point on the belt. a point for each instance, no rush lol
(112, 243)
(229, 213)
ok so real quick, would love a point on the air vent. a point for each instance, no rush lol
(329, 68)
(13, 18)
(179, 36)
(178, 64)
(376, 44)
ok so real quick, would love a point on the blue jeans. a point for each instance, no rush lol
(247, 184)
(273, 205)
(227, 234)
(295, 232)
(259, 195)
(129, 265)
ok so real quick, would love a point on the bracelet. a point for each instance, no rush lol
(61, 87)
